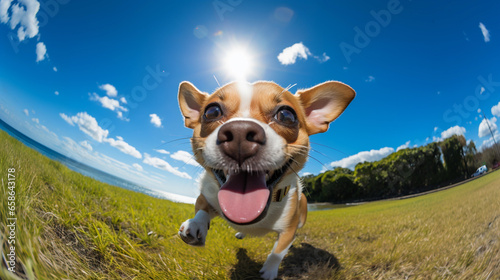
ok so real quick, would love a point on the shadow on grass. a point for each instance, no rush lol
(246, 268)
(301, 262)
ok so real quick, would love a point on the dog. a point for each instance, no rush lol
(252, 139)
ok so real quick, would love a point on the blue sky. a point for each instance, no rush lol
(97, 80)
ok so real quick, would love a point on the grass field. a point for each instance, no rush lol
(73, 227)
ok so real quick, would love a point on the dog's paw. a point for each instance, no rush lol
(240, 235)
(270, 269)
(194, 231)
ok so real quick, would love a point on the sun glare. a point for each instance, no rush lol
(238, 63)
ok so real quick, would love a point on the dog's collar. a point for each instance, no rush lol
(279, 194)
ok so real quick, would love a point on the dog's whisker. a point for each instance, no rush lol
(279, 96)
(326, 146)
(318, 161)
(222, 94)
(312, 150)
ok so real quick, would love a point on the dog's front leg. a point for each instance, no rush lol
(285, 239)
(194, 231)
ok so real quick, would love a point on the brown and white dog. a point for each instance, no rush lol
(253, 139)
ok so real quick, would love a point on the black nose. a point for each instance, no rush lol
(241, 140)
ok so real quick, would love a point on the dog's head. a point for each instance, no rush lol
(252, 137)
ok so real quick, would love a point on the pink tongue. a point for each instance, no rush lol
(244, 196)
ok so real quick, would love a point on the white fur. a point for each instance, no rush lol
(240, 235)
(270, 269)
(199, 223)
(246, 94)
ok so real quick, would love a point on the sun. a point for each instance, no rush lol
(238, 63)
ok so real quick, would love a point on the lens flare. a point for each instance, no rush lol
(238, 63)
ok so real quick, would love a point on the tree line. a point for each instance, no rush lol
(407, 171)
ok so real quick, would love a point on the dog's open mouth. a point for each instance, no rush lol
(244, 197)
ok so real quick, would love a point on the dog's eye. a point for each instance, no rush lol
(213, 112)
(286, 116)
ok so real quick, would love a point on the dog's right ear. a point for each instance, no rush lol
(191, 101)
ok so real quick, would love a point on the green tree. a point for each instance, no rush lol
(453, 156)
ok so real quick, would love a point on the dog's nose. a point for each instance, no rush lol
(241, 140)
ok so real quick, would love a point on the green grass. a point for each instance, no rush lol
(72, 227)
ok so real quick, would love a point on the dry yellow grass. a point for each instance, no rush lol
(452, 234)
(73, 227)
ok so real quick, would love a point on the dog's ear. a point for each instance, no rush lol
(323, 103)
(191, 101)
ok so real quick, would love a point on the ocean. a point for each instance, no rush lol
(90, 171)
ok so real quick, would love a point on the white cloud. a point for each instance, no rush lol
(289, 55)
(4, 10)
(26, 112)
(495, 110)
(435, 129)
(185, 157)
(370, 156)
(35, 120)
(322, 58)
(110, 103)
(490, 141)
(41, 51)
(86, 145)
(67, 119)
(56, 92)
(88, 125)
(46, 129)
(55, 69)
(484, 129)
(404, 146)
(486, 33)
(455, 130)
(155, 120)
(123, 100)
(163, 165)
(138, 167)
(306, 174)
(110, 90)
(123, 146)
(23, 14)
(370, 79)
(298, 50)
(162, 151)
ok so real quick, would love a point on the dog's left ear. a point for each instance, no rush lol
(323, 103)
(191, 101)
